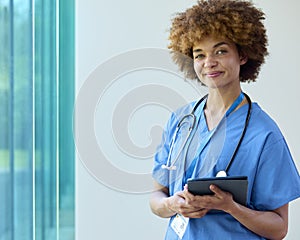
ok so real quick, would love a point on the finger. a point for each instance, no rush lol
(185, 209)
(217, 191)
(220, 194)
(180, 194)
(188, 196)
(196, 214)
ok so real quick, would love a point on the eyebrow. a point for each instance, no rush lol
(215, 46)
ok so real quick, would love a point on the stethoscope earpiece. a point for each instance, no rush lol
(170, 168)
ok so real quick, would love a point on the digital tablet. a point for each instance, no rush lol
(237, 186)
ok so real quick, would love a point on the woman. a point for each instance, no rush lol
(227, 41)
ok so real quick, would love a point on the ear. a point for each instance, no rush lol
(243, 60)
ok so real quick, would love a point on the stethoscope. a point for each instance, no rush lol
(223, 173)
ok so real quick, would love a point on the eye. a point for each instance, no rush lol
(199, 56)
(221, 52)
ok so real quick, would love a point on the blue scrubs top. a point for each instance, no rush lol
(263, 156)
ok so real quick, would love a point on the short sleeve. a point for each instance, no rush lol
(160, 174)
(277, 180)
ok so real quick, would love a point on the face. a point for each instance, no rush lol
(217, 62)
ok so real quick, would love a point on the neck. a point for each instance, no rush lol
(217, 105)
(219, 102)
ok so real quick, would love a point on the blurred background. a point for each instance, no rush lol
(37, 167)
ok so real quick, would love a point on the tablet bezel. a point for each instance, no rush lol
(236, 185)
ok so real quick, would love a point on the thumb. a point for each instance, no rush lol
(215, 190)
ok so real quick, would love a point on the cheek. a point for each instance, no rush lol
(197, 68)
(236, 68)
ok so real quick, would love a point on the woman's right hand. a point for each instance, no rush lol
(178, 203)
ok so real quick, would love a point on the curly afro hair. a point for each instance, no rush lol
(236, 20)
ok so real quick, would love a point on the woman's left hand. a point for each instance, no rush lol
(220, 200)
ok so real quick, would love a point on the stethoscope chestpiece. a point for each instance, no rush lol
(221, 174)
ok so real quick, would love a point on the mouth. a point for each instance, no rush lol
(213, 74)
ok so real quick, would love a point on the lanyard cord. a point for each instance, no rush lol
(243, 133)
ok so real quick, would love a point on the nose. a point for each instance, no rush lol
(210, 61)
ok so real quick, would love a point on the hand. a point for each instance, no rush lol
(220, 200)
(179, 203)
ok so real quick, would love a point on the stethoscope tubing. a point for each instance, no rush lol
(171, 166)
(243, 133)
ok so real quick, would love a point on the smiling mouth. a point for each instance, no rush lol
(213, 74)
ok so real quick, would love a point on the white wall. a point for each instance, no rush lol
(107, 32)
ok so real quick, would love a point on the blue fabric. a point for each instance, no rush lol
(263, 156)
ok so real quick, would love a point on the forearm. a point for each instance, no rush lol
(268, 224)
(159, 205)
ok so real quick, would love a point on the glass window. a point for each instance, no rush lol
(36, 142)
